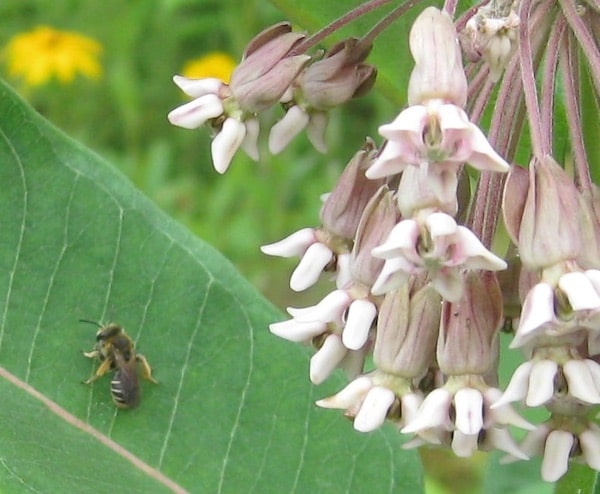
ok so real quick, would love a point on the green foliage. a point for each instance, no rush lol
(233, 411)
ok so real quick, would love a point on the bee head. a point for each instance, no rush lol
(109, 331)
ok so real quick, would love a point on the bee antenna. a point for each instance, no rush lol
(91, 322)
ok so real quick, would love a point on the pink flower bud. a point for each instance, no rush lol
(468, 338)
(438, 72)
(378, 219)
(407, 329)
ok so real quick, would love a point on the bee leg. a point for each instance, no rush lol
(92, 354)
(103, 369)
(146, 369)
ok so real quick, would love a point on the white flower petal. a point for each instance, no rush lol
(556, 455)
(310, 267)
(580, 381)
(393, 275)
(464, 445)
(473, 253)
(298, 332)
(517, 387)
(293, 245)
(538, 310)
(226, 143)
(348, 397)
(589, 440)
(580, 291)
(195, 113)
(198, 87)
(330, 309)
(343, 271)
(434, 412)
(324, 362)
(315, 130)
(250, 143)
(500, 439)
(401, 241)
(287, 128)
(374, 409)
(541, 383)
(468, 404)
(440, 225)
(361, 315)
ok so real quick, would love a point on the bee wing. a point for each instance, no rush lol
(125, 385)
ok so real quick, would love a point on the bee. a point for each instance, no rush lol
(115, 350)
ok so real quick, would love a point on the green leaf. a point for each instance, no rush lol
(233, 411)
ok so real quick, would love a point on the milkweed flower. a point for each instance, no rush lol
(45, 53)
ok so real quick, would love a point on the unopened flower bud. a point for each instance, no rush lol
(468, 338)
(438, 72)
(378, 219)
(345, 204)
(407, 329)
(336, 78)
(542, 222)
(589, 202)
(266, 72)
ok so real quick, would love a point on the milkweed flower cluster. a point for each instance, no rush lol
(419, 298)
(272, 72)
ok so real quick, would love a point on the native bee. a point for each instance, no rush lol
(115, 350)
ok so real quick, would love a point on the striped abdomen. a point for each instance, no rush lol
(125, 388)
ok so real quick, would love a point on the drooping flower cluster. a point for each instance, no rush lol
(273, 70)
(417, 287)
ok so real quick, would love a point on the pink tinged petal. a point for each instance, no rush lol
(556, 455)
(501, 440)
(226, 143)
(401, 241)
(580, 291)
(482, 156)
(374, 409)
(292, 330)
(408, 126)
(538, 310)
(589, 441)
(451, 117)
(541, 383)
(250, 143)
(348, 397)
(464, 445)
(393, 275)
(449, 284)
(344, 272)
(314, 260)
(517, 387)
(315, 130)
(474, 254)
(468, 403)
(580, 381)
(195, 113)
(440, 225)
(287, 128)
(324, 362)
(198, 87)
(392, 159)
(361, 315)
(434, 412)
(293, 245)
(330, 309)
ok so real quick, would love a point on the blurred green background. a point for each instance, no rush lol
(122, 116)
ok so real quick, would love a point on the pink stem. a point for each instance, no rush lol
(570, 72)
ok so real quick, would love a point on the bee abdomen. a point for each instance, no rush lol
(121, 395)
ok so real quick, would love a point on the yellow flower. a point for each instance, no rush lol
(43, 53)
(215, 64)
